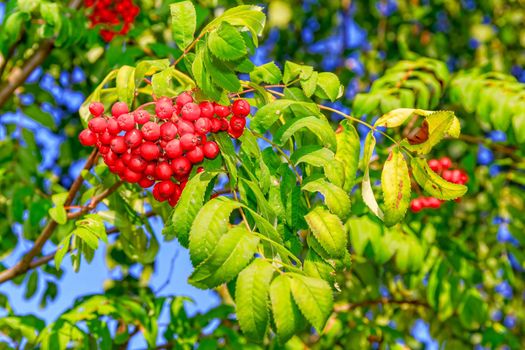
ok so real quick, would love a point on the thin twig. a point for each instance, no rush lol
(23, 265)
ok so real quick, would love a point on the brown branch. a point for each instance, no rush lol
(18, 76)
(47, 258)
(188, 49)
(94, 201)
(24, 264)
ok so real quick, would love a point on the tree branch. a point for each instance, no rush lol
(18, 76)
(24, 264)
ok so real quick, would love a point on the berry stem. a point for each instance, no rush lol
(189, 48)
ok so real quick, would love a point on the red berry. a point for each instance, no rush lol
(207, 110)
(241, 108)
(416, 205)
(221, 111)
(237, 123)
(202, 126)
(196, 155)
(96, 109)
(119, 167)
(156, 193)
(447, 175)
(181, 166)
(137, 163)
(118, 145)
(146, 182)
(185, 127)
(87, 138)
(183, 98)
(150, 169)
(464, 178)
(126, 158)
(168, 131)
(166, 189)
(133, 138)
(455, 176)
(200, 170)
(225, 125)
(210, 149)
(103, 149)
(97, 124)
(141, 116)
(215, 125)
(111, 158)
(174, 199)
(151, 131)
(425, 202)
(163, 171)
(435, 165)
(190, 111)
(173, 149)
(164, 108)
(182, 184)
(235, 133)
(434, 203)
(105, 138)
(119, 108)
(126, 122)
(149, 151)
(113, 127)
(131, 176)
(188, 142)
(445, 162)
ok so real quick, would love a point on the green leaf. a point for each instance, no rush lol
(315, 266)
(248, 16)
(161, 82)
(183, 23)
(439, 123)
(190, 202)
(87, 236)
(313, 297)
(319, 127)
(309, 85)
(126, 84)
(148, 68)
(518, 124)
(58, 214)
(314, 155)
(226, 43)
(472, 310)
(262, 203)
(328, 86)
(348, 149)
(395, 118)
(267, 115)
(366, 186)
(395, 182)
(328, 230)
(62, 250)
(288, 319)
(365, 104)
(335, 198)
(434, 184)
(209, 225)
(233, 252)
(32, 285)
(38, 115)
(251, 298)
(221, 75)
(267, 73)
(228, 154)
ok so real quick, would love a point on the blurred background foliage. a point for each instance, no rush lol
(465, 285)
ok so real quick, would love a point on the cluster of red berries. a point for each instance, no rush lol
(441, 166)
(154, 150)
(116, 16)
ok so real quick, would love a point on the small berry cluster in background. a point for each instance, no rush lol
(154, 150)
(443, 167)
(115, 16)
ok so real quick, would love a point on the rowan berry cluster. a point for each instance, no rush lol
(443, 167)
(160, 150)
(115, 16)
